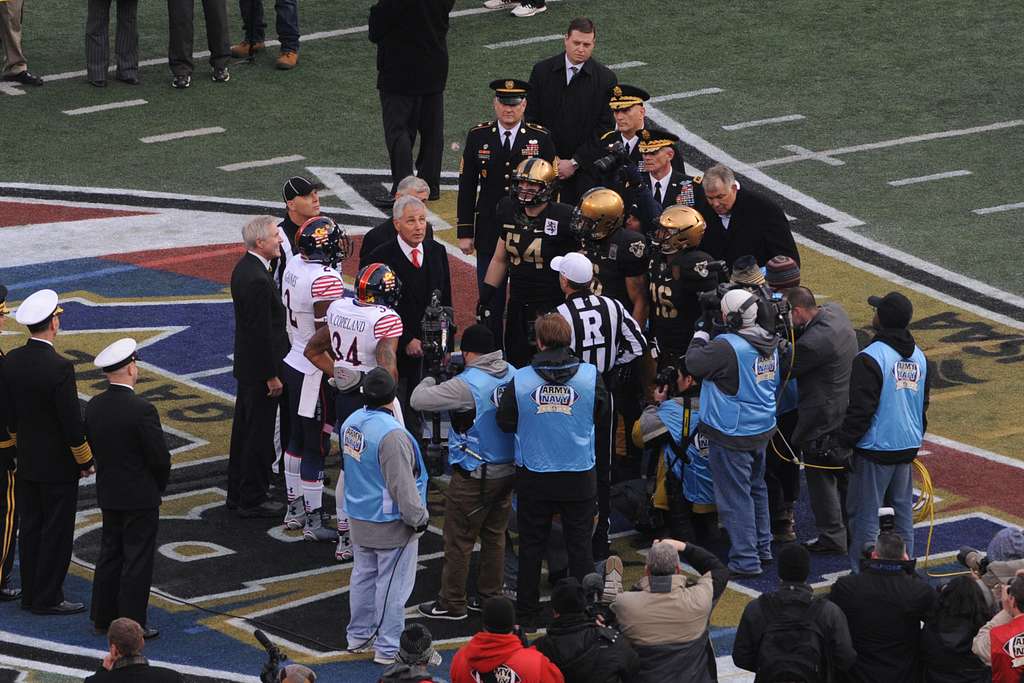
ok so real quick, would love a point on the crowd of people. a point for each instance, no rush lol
(617, 296)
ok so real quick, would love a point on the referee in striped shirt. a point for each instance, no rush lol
(605, 335)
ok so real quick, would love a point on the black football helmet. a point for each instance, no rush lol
(321, 240)
(378, 284)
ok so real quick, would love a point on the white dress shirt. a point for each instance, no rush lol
(264, 261)
(511, 138)
(407, 249)
(663, 183)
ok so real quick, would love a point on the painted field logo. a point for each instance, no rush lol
(907, 374)
(764, 368)
(353, 443)
(554, 398)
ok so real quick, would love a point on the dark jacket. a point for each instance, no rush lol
(410, 674)
(558, 366)
(487, 652)
(575, 113)
(821, 366)
(757, 226)
(412, 45)
(44, 413)
(132, 461)
(8, 450)
(586, 652)
(884, 608)
(382, 233)
(865, 391)
(946, 652)
(135, 670)
(836, 645)
(417, 286)
(261, 338)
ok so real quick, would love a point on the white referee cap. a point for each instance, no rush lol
(575, 267)
(38, 307)
(117, 355)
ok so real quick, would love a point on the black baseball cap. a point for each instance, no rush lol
(568, 597)
(477, 339)
(297, 186)
(378, 387)
(894, 310)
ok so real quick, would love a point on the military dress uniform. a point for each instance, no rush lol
(8, 463)
(485, 177)
(132, 469)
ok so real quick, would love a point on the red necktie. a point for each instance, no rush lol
(416, 258)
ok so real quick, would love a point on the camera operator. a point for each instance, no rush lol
(825, 347)
(479, 497)
(670, 426)
(884, 606)
(1000, 642)
(552, 406)
(415, 654)
(583, 648)
(534, 230)
(997, 567)
(742, 370)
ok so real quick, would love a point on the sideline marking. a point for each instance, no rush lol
(683, 95)
(19, 663)
(817, 156)
(883, 144)
(842, 222)
(764, 122)
(241, 166)
(104, 107)
(926, 178)
(626, 65)
(12, 89)
(999, 209)
(524, 41)
(165, 137)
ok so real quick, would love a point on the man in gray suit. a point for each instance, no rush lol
(97, 42)
(15, 68)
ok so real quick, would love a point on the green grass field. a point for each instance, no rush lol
(858, 72)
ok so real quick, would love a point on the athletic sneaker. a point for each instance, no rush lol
(433, 610)
(528, 10)
(343, 551)
(360, 648)
(612, 579)
(220, 75)
(499, 4)
(318, 527)
(475, 604)
(383, 660)
(295, 517)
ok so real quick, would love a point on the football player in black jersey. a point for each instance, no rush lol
(678, 273)
(532, 231)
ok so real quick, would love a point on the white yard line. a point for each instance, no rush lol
(166, 137)
(999, 209)
(105, 107)
(927, 178)
(11, 89)
(243, 165)
(684, 95)
(525, 41)
(895, 142)
(625, 65)
(764, 122)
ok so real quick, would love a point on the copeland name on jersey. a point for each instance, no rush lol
(355, 330)
(303, 284)
(531, 243)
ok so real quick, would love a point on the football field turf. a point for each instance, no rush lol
(890, 134)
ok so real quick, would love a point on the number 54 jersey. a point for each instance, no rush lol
(531, 243)
(303, 284)
(356, 328)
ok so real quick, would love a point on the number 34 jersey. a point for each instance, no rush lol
(531, 243)
(356, 328)
(303, 284)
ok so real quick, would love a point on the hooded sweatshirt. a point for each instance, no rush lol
(865, 391)
(715, 360)
(489, 651)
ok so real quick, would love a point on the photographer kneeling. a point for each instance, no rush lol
(479, 497)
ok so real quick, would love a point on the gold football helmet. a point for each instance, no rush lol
(679, 227)
(598, 214)
(534, 170)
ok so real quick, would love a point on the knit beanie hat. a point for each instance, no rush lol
(794, 563)
(782, 272)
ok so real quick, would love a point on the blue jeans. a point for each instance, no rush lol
(369, 599)
(872, 486)
(287, 22)
(742, 499)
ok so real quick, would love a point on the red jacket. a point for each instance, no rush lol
(489, 651)
(1008, 652)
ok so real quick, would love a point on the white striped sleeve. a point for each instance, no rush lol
(632, 342)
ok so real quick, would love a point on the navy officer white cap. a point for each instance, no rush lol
(575, 267)
(117, 355)
(37, 307)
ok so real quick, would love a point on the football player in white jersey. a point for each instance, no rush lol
(309, 284)
(360, 335)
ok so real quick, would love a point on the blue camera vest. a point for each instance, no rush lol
(556, 421)
(484, 437)
(898, 422)
(366, 496)
(695, 475)
(752, 410)
(788, 399)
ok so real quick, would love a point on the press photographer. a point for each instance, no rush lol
(773, 311)
(479, 496)
(997, 567)
(439, 329)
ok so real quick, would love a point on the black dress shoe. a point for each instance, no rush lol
(740, 576)
(823, 547)
(63, 608)
(25, 78)
(150, 633)
(130, 80)
(8, 594)
(268, 508)
(98, 84)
